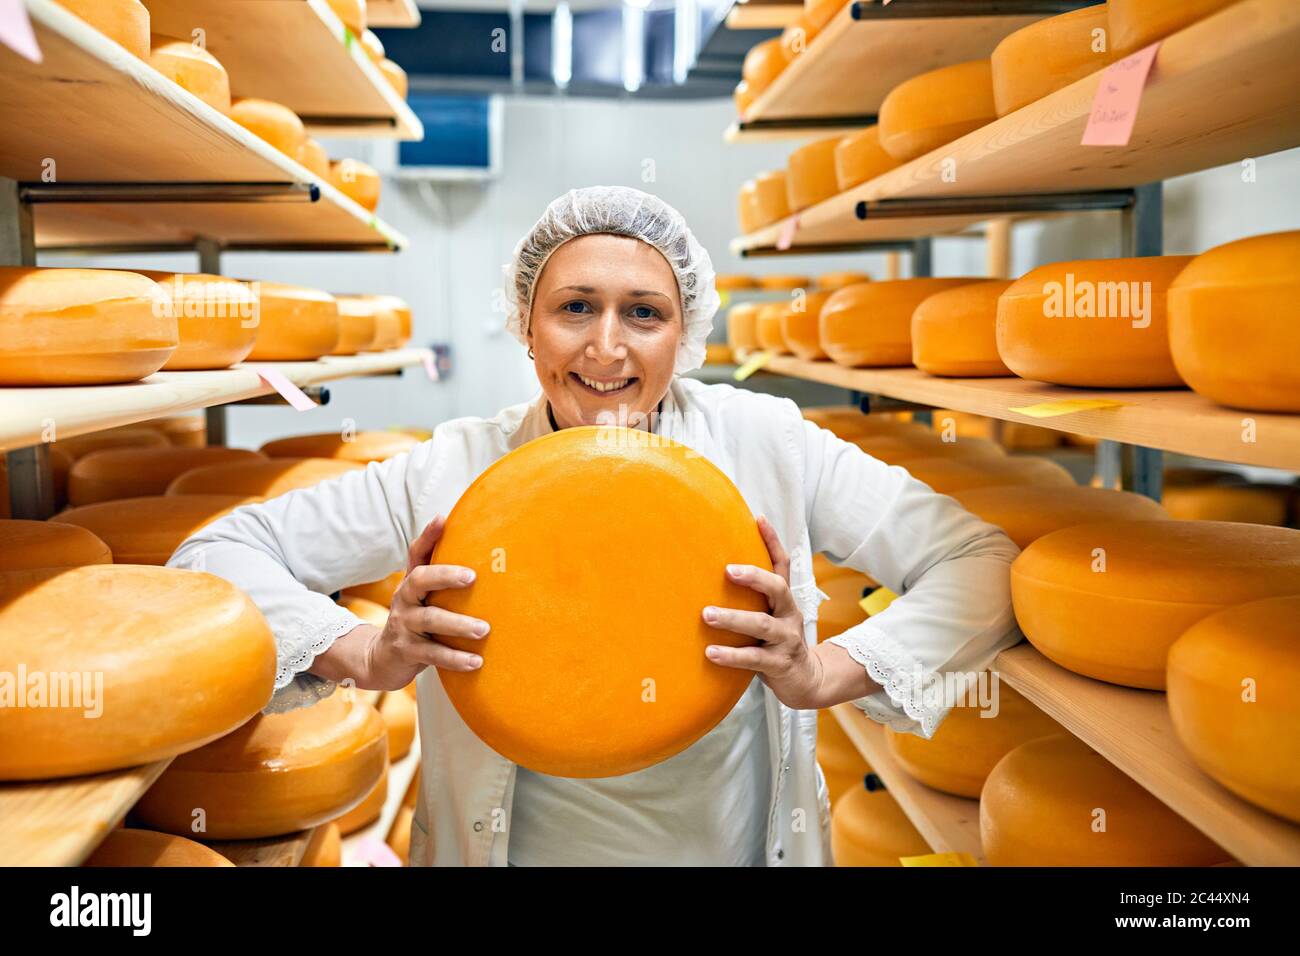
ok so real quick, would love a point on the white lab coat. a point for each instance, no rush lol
(821, 495)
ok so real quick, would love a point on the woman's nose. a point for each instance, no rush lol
(606, 344)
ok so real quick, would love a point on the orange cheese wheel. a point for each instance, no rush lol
(216, 319)
(147, 848)
(373, 46)
(955, 332)
(395, 76)
(43, 544)
(848, 422)
(192, 68)
(262, 478)
(783, 283)
(801, 325)
(375, 312)
(1014, 436)
(822, 12)
(130, 436)
(294, 324)
(1254, 504)
(796, 38)
(841, 610)
(412, 795)
(1026, 513)
(81, 326)
(833, 281)
(763, 64)
(859, 157)
(1048, 54)
(768, 325)
(402, 310)
(399, 835)
(364, 447)
(368, 611)
(747, 214)
(743, 97)
(842, 765)
(1232, 679)
(1135, 24)
(742, 326)
(325, 848)
(135, 472)
(122, 21)
(935, 108)
(554, 694)
(869, 828)
(380, 592)
(357, 180)
(810, 174)
(369, 809)
(273, 122)
(901, 448)
(716, 353)
(1055, 802)
(771, 199)
(183, 657)
(352, 13)
(358, 326)
(276, 774)
(1159, 578)
(312, 155)
(730, 282)
(949, 475)
(1229, 327)
(187, 431)
(1092, 322)
(149, 530)
(398, 711)
(871, 323)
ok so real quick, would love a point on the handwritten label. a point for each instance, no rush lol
(1115, 106)
(372, 852)
(16, 30)
(877, 601)
(430, 366)
(752, 365)
(1066, 406)
(290, 392)
(785, 238)
(939, 859)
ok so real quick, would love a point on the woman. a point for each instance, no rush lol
(615, 298)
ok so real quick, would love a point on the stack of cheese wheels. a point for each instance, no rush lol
(801, 325)
(1228, 323)
(870, 324)
(380, 592)
(373, 312)
(352, 13)
(842, 765)
(369, 611)
(742, 327)
(933, 109)
(325, 848)
(949, 475)
(763, 64)
(860, 157)
(192, 68)
(186, 431)
(295, 324)
(273, 122)
(261, 478)
(148, 848)
(149, 530)
(1013, 436)
(768, 325)
(398, 711)
(364, 447)
(357, 180)
(123, 21)
(783, 282)
(1107, 599)
(1228, 501)
(1232, 680)
(151, 628)
(312, 155)
(1026, 513)
(1093, 323)
(955, 332)
(136, 472)
(81, 326)
(842, 608)
(216, 319)
(40, 544)
(971, 740)
(869, 828)
(810, 174)
(128, 436)
(395, 76)
(1135, 24)
(900, 448)
(732, 282)
(1048, 54)
(399, 835)
(369, 809)
(769, 199)
(1054, 802)
(834, 281)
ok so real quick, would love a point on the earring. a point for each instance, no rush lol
(530, 353)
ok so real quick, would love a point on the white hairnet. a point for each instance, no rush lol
(619, 211)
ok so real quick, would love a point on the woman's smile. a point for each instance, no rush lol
(602, 386)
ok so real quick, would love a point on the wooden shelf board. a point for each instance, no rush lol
(392, 13)
(1176, 420)
(1132, 729)
(949, 824)
(763, 16)
(60, 822)
(273, 851)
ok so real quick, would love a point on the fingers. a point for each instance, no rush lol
(421, 549)
(437, 622)
(768, 583)
(426, 578)
(741, 658)
(755, 624)
(433, 654)
(775, 549)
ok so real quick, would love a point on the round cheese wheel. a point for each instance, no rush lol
(810, 174)
(770, 336)
(294, 324)
(357, 180)
(149, 530)
(325, 848)
(187, 431)
(1232, 679)
(380, 592)
(783, 283)
(1048, 54)
(369, 809)
(364, 447)
(183, 656)
(358, 326)
(955, 332)
(900, 448)
(192, 68)
(263, 478)
(1160, 578)
(216, 319)
(1228, 323)
(871, 323)
(130, 436)
(123, 21)
(81, 327)
(399, 835)
(395, 76)
(1135, 24)
(747, 213)
(968, 744)
(312, 155)
(869, 828)
(555, 694)
(402, 310)
(412, 795)
(832, 281)
(841, 610)
(367, 610)
(1026, 513)
(743, 97)
(1092, 322)
(949, 475)
(730, 282)
(136, 472)
(276, 774)
(848, 422)
(352, 13)
(742, 326)
(935, 108)
(859, 157)
(822, 12)
(1014, 436)
(771, 200)
(147, 848)
(376, 313)
(716, 353)
(373, 46)
(398, 711)
(763, 64)
(1055, 802)
(842, 765)
(801, 325)
(796, 37)
(272, 122)
(42, 544)
(1254, 504)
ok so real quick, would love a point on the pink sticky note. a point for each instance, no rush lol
(290, 392)
(374, 852)
(16, 30)
(785, 238)
(1115, 107)
(430, 366)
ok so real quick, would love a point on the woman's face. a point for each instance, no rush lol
(605, 323)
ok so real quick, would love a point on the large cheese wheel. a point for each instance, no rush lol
(263, 478)
(1013, 436)
(123, 21)
(1230, 330)
(948, 475)
(717, 353)
(555, 694)
(747, 214)
(130, 436)
(731, 282)
(135, 472)
(1159, 578)
(187, 431)
(1232, 681)
(841, 610)
(81, 326)
(395, 76)
(859, 157)
(368, 611)
(216, 319)
(869, 828)
(834, 281)
(1055, 802)
(903, 447)
(1048, 54)
(192, 68)
(369, 809)
(871, 323)
(381, 591)
(184, 657)
(149, 530)
(364, 447)
(810, 174)
(1255, 504)
(955, 332)
(399, 834)
(358, 326)
(763, 64)
(849, 422)
(1135, 24)
(742, 326)
(796, 37)
(969, 743)
(935, 108)
(325, 848)
(312, 155)
(294, 324)
(42, 544)
(352, 13)
(398, 711)
(399, 307)
(148, 848)
(1092, 322)
(801, 325)
(771, 201)
(1026, 513)
(743, 97)
(272, 122)
(841, 763)
(770, 336)
(376, 313)
(357, 180)
(783, 282)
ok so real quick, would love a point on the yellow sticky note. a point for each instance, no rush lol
(724, 298)
(877, 600)
(939, 859)
(752, 365)
(1066, 406)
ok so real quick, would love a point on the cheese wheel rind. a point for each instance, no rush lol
(216, 319)
(955, 331)
(126, 22)
(869, 828)
(364, 447)
(294, 324)
(148, 530)
(1047, 55)
(859, 157)
(137, 472)
(148, 848)
(272, 122)
(810, 174)
(933, 109)
(264, 478)
(192, 68)
(45, 544)
(870, 324)
(1026, 513)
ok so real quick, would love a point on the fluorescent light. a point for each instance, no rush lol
(686, 38)
(633, 47)
(562, 45)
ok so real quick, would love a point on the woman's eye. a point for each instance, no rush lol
(644, 312)
(577, 308)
